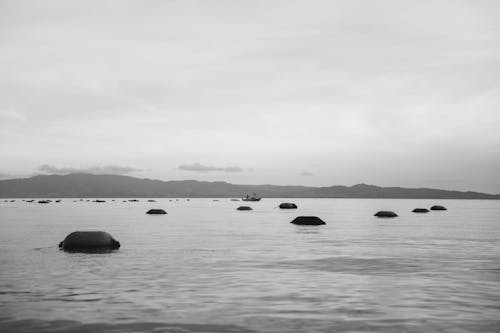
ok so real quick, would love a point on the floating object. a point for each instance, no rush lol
(151, 200)
(438, 208)
(44, 201)
(215, 200)
(288, 205)
(386, 213)
(308, 220)
(99, 200)
(89, 241)
(254, 197)
(156, 211)
(420, 210)
(235, 199)
(134, 200)
(244, 208)
(58, 200)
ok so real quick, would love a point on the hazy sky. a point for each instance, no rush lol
(392, 93)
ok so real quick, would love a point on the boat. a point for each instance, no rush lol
(254, 197)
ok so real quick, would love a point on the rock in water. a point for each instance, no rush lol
(88, 241)
(385, 213)
(244, 208)
(156, 211)
(420, 210)
(288, 205)
(438, 208)
(308, 220)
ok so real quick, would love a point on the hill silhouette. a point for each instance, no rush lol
(78, 185)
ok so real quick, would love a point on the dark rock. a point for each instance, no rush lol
(89, 241)
(156, 211)
(438, 208)
(244, 208)
(420, 210)
(288, 205)
(308, 220)
(385, 213)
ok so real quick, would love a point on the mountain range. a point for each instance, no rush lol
(81, 185)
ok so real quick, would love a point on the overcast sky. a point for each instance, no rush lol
(391, 93)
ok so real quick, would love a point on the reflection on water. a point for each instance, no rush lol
(205, 267)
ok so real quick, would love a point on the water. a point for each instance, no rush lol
(206, 267)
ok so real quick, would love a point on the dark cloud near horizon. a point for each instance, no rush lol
(306, 174)
(197, 167)
(107, 169)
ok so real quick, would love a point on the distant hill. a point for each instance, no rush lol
(79, 185)
(86, 185)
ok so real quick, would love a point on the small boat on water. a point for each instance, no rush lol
(254, 197)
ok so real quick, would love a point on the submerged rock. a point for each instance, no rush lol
(420, 210)
(156, 211)
(308, 220)
(244, 208)
(386, 213)
(84, 241)
(438, 208)
(288, 205)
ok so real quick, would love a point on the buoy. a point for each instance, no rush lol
(244, 208)
(386, 213)
(288, 205)
(156, 212)
(308, 220)
(82, 241)
(420, 210)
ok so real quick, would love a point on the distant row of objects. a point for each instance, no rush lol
(388, 213)
(82, 200)
(284, 205)
(252, 197)
(129, 200)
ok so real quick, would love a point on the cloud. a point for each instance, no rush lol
(197, 167)
(306, 174)
(107, 169)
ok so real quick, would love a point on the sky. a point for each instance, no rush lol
(390, 93)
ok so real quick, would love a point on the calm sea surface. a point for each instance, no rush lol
(206, 267)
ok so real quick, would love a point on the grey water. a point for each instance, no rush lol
(206, 267)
